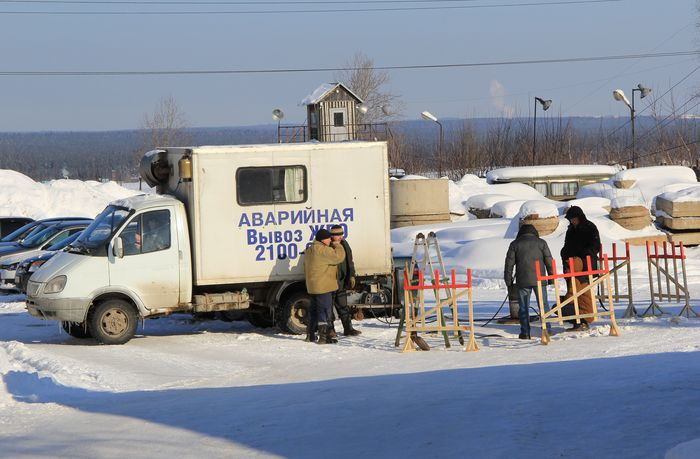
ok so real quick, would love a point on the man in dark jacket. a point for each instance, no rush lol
(346, 281)
(522, 254)
(582, 240)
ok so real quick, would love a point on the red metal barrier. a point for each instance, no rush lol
(655, 260)
(595, 277)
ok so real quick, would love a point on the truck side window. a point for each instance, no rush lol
(270, 185)
(149, 232)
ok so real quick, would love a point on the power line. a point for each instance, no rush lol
(307, 11)
(336, 69)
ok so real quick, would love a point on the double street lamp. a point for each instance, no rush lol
(545, 105)
(619, 95)
(430, 117)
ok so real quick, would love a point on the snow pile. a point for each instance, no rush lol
(542, 209)
(591, 206)
(485, 201)
(22, 196)
(507, 209)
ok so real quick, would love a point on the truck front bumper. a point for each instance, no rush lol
(63, 309)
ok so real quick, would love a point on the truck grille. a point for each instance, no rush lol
(33, 288)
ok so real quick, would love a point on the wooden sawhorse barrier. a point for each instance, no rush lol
(555, 314)
(664, 275)
(416, 314)
(618, 264)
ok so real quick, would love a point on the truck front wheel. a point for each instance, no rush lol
(292, 314)
(113, 322)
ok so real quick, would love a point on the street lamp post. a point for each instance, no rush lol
(277, 115)
(430, 117)
(618, 94)
(545, 105)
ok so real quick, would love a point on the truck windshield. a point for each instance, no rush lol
(103, 227)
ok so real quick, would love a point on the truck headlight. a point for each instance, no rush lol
(56, 284)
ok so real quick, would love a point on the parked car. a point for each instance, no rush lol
(27, 266)
(11, 224)
(11, 255)
(34, 227)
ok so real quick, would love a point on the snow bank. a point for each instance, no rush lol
(507, 209)
(22, 196)
(591, 206)
(542, 209)
(485, 201)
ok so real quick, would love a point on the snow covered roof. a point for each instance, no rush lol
(571, 170)
(322, 91)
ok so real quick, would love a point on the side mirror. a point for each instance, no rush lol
(118, 247)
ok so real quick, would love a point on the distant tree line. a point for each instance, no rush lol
(469, 146)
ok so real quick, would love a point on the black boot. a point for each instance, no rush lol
(331, 336)
(331, 331)
(322, 334)
(310, 336)
(347, 327)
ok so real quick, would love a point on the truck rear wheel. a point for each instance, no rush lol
(76, 329)
(292, 314)
(113, 322)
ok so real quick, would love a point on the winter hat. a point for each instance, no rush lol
(575, 211)
(337, 230)
(322, 234)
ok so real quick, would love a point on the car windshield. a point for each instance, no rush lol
(104, 226)
(60, 245)
(35, 239)
(19, 233)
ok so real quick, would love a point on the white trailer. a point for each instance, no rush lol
(226, 233)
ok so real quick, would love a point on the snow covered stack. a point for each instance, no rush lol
(543, 215)
(629, 212)
(481, 204)
(679, 213)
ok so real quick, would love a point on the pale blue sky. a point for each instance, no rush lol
(214, 42)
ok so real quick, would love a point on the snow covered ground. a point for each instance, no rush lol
(191, 389)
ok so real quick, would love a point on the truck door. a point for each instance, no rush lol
(150, 265)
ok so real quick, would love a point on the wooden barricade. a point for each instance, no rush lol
(555, 315)
(417, 315)
(664, 275)
(619, 263)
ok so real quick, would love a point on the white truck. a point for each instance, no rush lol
(226, 232)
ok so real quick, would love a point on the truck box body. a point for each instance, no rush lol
(253, 209)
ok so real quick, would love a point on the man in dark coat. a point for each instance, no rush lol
(523, 252)
(582, 240)
(346, 281)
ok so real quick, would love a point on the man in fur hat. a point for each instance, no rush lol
(321, 262)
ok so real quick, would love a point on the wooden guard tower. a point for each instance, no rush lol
(331, 113)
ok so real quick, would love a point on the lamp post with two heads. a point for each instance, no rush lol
(545, 105)
(619, 95)
(430, 117)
